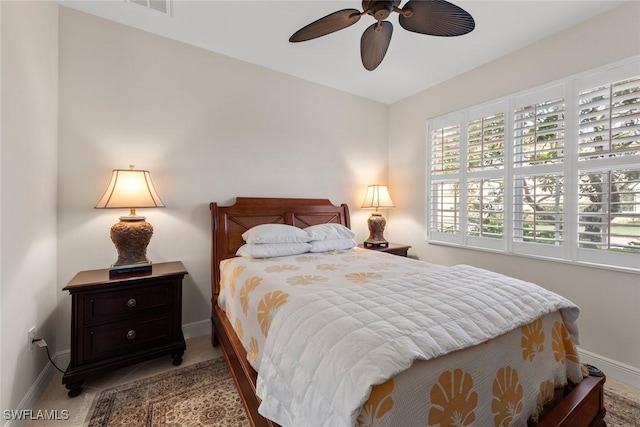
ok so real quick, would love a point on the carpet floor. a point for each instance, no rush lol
(198, 395)
(622, 411)
(204, 395)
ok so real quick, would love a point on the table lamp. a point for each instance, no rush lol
(130, 188)
(377, 197)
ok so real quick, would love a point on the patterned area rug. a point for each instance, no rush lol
(622, 410)
(205, 395)
(198, 395)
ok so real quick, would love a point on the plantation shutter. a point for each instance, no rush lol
(445, 160)
(609, 119)
(538, 183)
(608, 229)
(550, 172)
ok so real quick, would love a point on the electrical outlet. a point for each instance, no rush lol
(32, 336)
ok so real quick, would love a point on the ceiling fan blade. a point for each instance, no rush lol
(436, 18)
(326, 25)
(374, 44)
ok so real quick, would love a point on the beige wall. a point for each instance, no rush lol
(609, 300)
(28, 152)
(209, 128)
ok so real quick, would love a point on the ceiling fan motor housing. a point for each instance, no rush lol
(380, 9)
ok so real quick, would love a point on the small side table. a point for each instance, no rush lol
(391, 248)
(124, 319)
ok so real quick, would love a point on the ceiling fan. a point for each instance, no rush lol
(430, 17)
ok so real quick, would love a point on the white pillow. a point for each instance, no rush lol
(270, 250)
(275, 233)
(331, 245)
(330, 231)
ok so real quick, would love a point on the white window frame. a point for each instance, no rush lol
(570, 168)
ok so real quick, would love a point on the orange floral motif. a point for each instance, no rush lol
(223, 274)
(379, 403)
(453, 400)
(361, 277)
(305, 258)
(234, 275)
(281, 268)
(253, 350)
(507, 397)
(227, 309)
(353, 258)
(330, 267)
(306, 279)
(238, 328)
(532, 341)
(546, 395)
(249, 285)
(562, 344)
(267, 307)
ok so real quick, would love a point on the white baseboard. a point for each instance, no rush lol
(196, 329)
(30, 400)
(612, 369)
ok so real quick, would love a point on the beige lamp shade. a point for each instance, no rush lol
(130, 188)
(377, 197)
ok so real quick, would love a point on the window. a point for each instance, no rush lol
(485, 215)
(446, 150)
(445, 197)
(552, 172)
(609, 209)
(538, 209)
(486, 143)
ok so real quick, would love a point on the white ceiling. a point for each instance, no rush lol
(258, 32)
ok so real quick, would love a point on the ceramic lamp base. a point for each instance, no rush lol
(131, 236)
(376, 223)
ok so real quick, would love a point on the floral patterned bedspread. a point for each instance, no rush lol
(501, 382)
(253, 289)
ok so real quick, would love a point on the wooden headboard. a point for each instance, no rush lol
(229, 222)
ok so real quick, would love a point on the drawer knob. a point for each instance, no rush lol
(132, 302)
(131, 334)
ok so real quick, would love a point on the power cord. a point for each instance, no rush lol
(42, 343)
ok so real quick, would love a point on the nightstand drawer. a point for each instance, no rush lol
(107, 306)
(121, 337)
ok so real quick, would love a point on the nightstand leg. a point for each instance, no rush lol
(75, 388)
(177, 358)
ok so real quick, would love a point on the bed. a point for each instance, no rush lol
(579, 405)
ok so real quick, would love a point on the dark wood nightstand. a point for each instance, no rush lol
(124, 319)
(392, 248)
